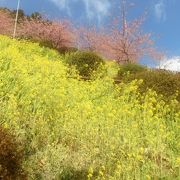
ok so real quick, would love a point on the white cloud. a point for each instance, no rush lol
(160, 10)
(63, 5)
(172, 64)
(94, 9)
(59, 3)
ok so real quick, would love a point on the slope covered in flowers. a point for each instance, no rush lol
(75, 129)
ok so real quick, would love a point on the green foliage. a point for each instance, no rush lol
(161, 81)
(21, 14)
(130, 68)
(64, 50)
(36, 15)
(49, 44)
(11, 156)
(86, 62)
(74, 129)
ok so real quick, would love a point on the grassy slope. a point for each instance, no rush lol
(77, 129)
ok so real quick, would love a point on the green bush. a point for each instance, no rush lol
(10, 156)
(130, 68)
(86, 62)
(64, 50)
(162, 81)
(49, 44)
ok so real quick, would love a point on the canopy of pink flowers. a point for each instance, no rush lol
(123, 45)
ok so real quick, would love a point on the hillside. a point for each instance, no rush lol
(75, 129)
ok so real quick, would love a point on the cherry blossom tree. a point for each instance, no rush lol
(6, 23)
(131, 44)
(90, 39)
(123, 40)
(58, 34)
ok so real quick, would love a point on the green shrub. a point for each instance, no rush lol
(10, 156)
(61, 50)
(64, 50)
(130, 68)
(162, 81)
(86, 62)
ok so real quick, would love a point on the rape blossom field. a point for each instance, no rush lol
(70, 128)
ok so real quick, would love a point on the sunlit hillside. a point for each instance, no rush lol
(70, 128)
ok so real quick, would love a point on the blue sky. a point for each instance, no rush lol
(162, 19)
